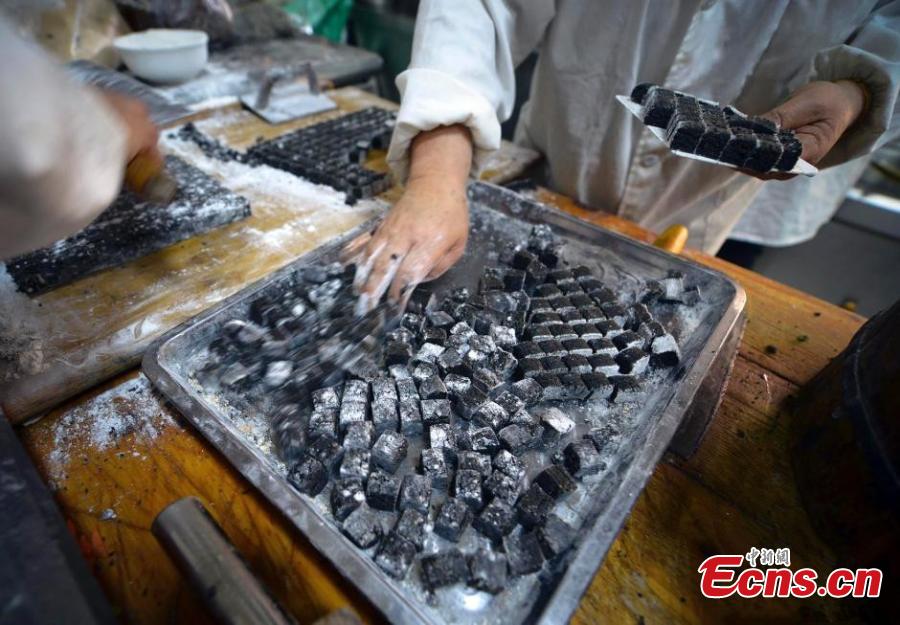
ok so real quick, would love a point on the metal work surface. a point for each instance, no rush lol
(500, 219)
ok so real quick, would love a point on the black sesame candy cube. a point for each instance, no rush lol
(384, 389)
(514, 280)
(490, 414)
(659, 106)
(580, 345)
(553, 365)
(468, 401)
(555, 536)
(389, 451)
(346, 496)
(359, 435)
(411, 526)
(452, 519)
(556, 481)
(504, 364)
(395, 555)
(534, 506)
(467, 488)
(399, 372)
(523, 553)
(609, 329)
(538, 333)
(633, 360)
(602, 437)
(556, 424)
(476, 359)
(581, 459)
(541, 304)
(363, 527)
(322, 422)
(382, 490)
(440, 319)
(650, 331)
(684, 133)
(570, 317)
(740, 145)
(435, 466)
(486, 380)
(522, 259)
(384, 416)
(440, 436)
(327, 451)
(484, 440)
(528, 390)
(438, 336)
(509, 402)
(355, 464)
(527, 349)
(435, 411)
(412, 322)
(433, 388)
(508, 464)
(503, 336)
(603, 346)
(535, 274)
(594, 314)
(791, 150)
(713, 141)
(545, 319)
(552, 347)
(598, 385)
(639, 93)
(483, 343)
(628, 339)
(444, 569)
(352, 412)
(355, 391)
(518, 438)
(452, 361)
(664, 351)
(551, 387)
(502, 486)
(546, 291)
(325, 398)
(428, 353)
(410, 418)
(604, 363)
(475, 461)
(415, 493)
(496, 520)
(563, 332)
(577, 363)
(615, 312)
(487, 571)
(574, 386)
(456, 383)
(309, 476)
(765, 156)
(627, 389)
(561, 276)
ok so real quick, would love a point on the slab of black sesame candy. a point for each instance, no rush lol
(363, 527)
(411, 526)
(355, 464)
(467, 488)
(556, 481)
(633, 361)
(551, 387)
(382, 490)
(791, 151)
(659, 106)
(602, 436)
(528, 390)
(346, 496)
(581, 459)
(664, 351)
(389, 451)
(501, 486)
(556, 425)
(475, 461)
(444, 569)
(327, 451)
(309, 476)
(359, 435)
(496, 520)
(592, 314)
(395, 555)
(555, 536)
(452, 519)
(766, 155)
(508, 464)
(484, 440)
(434, 466)
(487, 571)
(415, 493)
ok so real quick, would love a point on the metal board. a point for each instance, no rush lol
(500, 218)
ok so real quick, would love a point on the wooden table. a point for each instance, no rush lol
(737, 492)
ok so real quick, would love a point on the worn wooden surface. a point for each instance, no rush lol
(737, 492)
(99, 326)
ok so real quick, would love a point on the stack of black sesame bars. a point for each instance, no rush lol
(458, 427)
(723, 134)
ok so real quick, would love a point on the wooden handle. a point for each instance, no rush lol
(141, 170)
(672, 239)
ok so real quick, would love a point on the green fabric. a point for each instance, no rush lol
(328, 18)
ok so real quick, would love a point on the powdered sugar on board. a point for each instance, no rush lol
(125, 418)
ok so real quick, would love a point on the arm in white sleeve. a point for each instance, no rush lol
(462, 71)
(870, 57)
(63, 149)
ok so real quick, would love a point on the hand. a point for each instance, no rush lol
(143, 135)
(819, 113)
(425, 232)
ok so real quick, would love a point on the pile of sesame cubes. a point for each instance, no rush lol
(449, 461)
(724, 134)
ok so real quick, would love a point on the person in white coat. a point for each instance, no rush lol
(63, 147)
(828, 70)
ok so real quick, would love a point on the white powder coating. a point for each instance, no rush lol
(125, 417)
(21, 329)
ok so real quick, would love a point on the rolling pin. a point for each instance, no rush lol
(146, 175)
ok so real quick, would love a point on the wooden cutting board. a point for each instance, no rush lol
(100, 325)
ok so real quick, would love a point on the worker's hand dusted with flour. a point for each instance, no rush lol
(462, 74)
(64, 147)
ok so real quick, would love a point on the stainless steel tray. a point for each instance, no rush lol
(500, 218)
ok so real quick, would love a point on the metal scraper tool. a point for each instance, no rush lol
(281, 97)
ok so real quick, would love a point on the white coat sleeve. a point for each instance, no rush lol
(871, 56)
(462, 70)
(63, 149)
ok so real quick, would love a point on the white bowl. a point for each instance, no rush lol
(164, 55)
